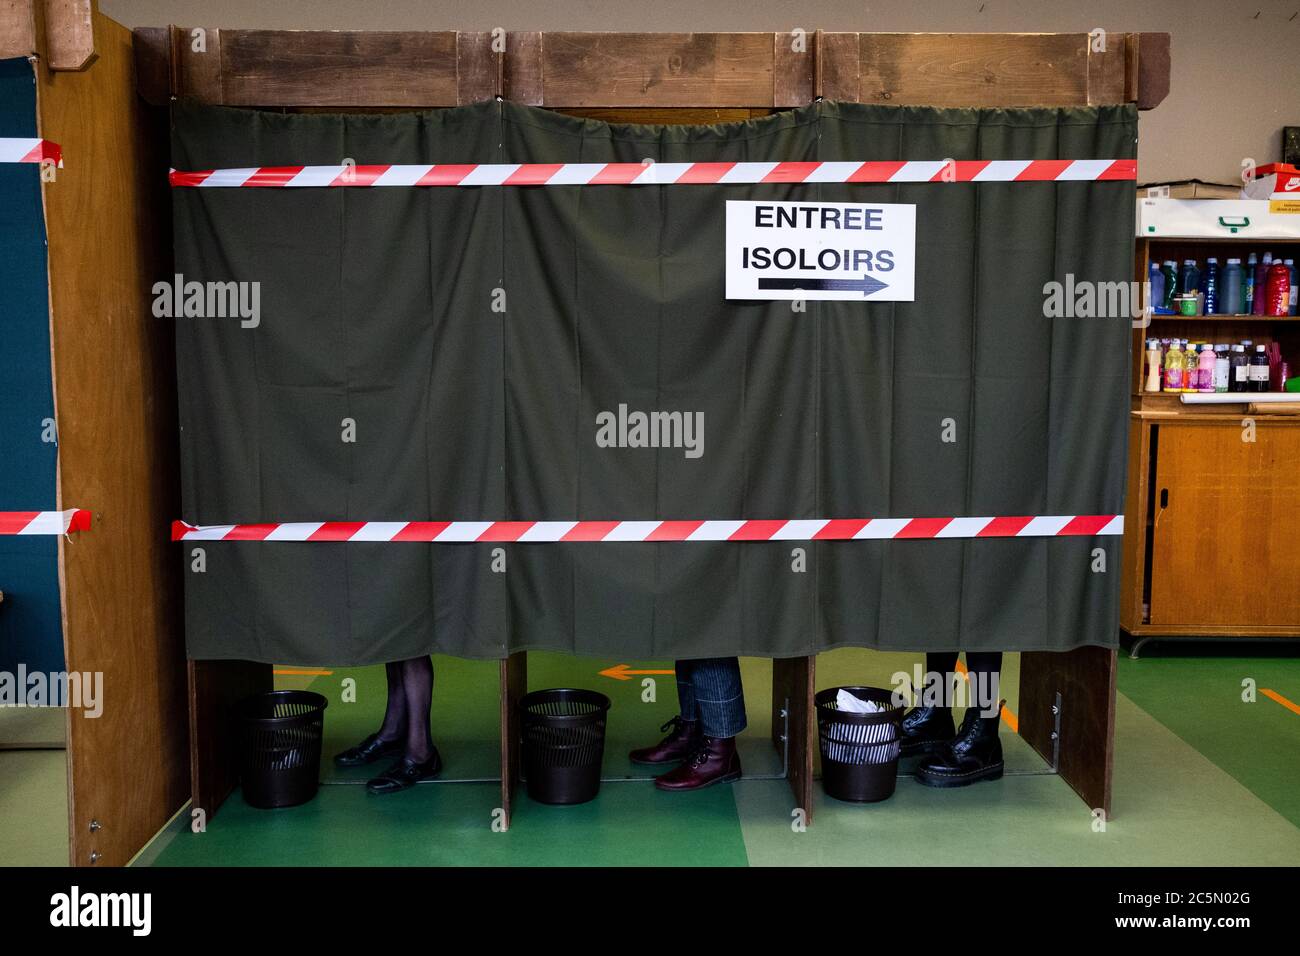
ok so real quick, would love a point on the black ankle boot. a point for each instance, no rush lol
(925, 730)
(975, 754)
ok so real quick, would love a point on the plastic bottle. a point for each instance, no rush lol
(1155, 285)
(1189, 277)
(1222, 368)
(1229, 295)
(1248, 284)
(1205, 370)
(1170, 269)
(1277, 292)
(1295, 290)
(1257, 299)
(1191, 367)
(1240, 363)
(1210, 286)
(1258, 370)
(1154, 366)
(1174, 368)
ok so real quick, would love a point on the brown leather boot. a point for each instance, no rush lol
(716, 761)
(682, 741)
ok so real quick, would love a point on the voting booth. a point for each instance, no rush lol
(647, 343)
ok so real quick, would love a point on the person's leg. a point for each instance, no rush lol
(720, 705)
(390, 739)
(928, 726)
(683, 730)
(984, 670)
(976, 752)
(420, 759)
(417, 684)
(394, 725)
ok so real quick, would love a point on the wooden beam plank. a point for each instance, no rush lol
(974, 69)
(523, 68)
(323, 68)
(657, 69)
(18, 28)
(196, 65)
(152, 47)
(564, 70)
(1107, 68)
(1152, 56)
(793, 61)
(478, 68)
(69, 34)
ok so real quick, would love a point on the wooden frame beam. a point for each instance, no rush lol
(565, 70)
(61, 32)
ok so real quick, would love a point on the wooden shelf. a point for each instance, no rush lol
(1158, 316)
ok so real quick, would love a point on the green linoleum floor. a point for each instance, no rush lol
(1200, 778)
(1200, 699)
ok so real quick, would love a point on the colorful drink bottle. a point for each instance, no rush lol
(1205, 370)
(1174, 368)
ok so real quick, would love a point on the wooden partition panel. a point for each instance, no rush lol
(1085, 680)
(514, 684)
(215, 689)
(115, 407)
(792, 691)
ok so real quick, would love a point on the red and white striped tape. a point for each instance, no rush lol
(44, 522)
(795, 529)
(666, 174)
(18, 150)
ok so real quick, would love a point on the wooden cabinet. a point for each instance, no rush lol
(1212, 523)
(1225, 530)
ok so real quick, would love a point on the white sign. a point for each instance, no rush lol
(821, 250)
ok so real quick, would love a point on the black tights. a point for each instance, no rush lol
(410, 693)
(984, 668)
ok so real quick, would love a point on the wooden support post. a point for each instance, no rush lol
(792, 691)
(216, 688)
(1085, 680)
(514, 684)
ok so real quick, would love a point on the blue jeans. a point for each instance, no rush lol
(709, 691)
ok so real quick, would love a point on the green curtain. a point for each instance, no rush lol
(377, 306)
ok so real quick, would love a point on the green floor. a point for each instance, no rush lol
(1201, 777)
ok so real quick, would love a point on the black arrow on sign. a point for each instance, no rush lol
(864, 284)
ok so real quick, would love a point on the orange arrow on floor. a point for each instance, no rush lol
(623, 672)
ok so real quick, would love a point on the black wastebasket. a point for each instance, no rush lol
(563, 743)
(859, 751)
(280, 756)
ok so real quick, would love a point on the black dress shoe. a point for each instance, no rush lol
(975, 754)
(925, 730)
(368, 751)
(405, 773)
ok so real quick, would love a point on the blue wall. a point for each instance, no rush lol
(30, 623)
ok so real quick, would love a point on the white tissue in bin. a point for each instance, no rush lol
(857, 744)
